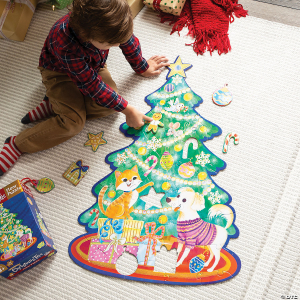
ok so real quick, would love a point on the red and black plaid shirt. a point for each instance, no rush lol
(65, 52)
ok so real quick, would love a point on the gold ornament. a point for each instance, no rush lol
(188, 97)
(142, 151)
(162, 102)
(163, 219)
(177, 148)
(166, 186)
(202, 175)
(203, 129)
(111, 194)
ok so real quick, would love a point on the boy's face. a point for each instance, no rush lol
(103, 46)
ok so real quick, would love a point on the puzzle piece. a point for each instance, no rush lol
(76, 172)
(95, 140)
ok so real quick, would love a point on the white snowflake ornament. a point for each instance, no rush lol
(154, 144)
(214, 197)
(176, 79)
(203, 159)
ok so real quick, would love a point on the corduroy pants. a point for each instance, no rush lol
(71, 109)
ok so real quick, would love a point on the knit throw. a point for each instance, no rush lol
(208, 22)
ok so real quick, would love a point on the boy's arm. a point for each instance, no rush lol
(133, 53)
(89, 82)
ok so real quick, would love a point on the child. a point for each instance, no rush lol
(78, 85)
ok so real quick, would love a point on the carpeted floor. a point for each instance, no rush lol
(262, 174)
(295, 4)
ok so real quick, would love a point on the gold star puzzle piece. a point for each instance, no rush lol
(95, 140)
(178, 68)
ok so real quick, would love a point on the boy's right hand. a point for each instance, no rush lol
(135, 118)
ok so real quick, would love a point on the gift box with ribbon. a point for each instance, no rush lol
(76, 172)
(173, 7)
(129, 229)
(15, 17)
(108, 251)
(149, 244)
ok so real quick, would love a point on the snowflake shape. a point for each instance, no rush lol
(203, 159)
(121, 158)
(214, 197)
(176, 79)
(154, 144)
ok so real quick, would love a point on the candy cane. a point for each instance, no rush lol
(186, 146)
(228, 137)
(155, 160)
(96, 211)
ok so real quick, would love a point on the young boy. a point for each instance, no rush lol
(78, 85)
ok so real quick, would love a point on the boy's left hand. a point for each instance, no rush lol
(155, 63)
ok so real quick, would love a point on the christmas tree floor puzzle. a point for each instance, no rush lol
(194, 217)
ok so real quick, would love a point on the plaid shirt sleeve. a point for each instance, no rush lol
(88, 81)
(133, 53)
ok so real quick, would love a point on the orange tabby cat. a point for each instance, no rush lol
(128, 181)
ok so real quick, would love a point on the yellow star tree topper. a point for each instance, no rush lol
(178, 68)
(95, 140)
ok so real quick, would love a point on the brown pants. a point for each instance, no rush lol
(71, 109)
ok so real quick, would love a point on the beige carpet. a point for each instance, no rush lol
(262, 174)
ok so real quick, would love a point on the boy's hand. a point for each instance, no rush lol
(135, 118)
(155, 63)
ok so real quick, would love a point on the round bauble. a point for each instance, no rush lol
(186, 170)
(163, 219)
(142, 151)
(166, 186)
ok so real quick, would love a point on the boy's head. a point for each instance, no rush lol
(103, 22)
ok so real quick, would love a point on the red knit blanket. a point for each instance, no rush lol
(208, 22)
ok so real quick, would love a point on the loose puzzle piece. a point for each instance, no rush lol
(76, 172)
(43, 185)
(230, 135)
(222, 97)
(95, 140)
(194, 216)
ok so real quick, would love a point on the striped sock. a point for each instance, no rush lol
(43, 110)
(9, 154)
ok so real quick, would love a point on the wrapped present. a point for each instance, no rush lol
(108, 251)
(135, 6)
(173, 7)
(24, 238)
(15, 17)
(76, 172)
(149, 244)
(127, 229)
(146, 252)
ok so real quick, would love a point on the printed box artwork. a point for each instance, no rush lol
(24, 238)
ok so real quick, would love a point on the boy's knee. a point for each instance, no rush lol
(74, 125)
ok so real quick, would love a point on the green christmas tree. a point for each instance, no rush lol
(171, 155)
(168, 155)
(9, 227)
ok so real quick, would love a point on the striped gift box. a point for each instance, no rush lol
(131, 229)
